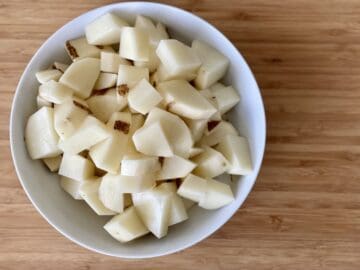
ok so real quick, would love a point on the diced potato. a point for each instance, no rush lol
(105, 30)
(110, 61)
(53, 163)
(55, 92)
(79, 48)
(41, 102)
(184, 100)
(177, 58)
(225, 96)
(44, 76)
(210, 163)
(105, 81)
(193, 188)
(103, 105)
(175, 167)
(236, 150)
(91, 132)
(108, 154)
(130, 184)
(143, 97)
(71, 186)
(154, 207)
(76, 167)
(216, 132)
(134, 44)
(68, 117)
(89, 192)
(139, 165)
(151, 140)
(213, 64)
(81, 76)
(126, 226)
(217, 195)
(40, 136)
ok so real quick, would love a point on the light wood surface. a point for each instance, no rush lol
(304, 212)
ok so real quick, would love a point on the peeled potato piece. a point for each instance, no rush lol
(40, 136)
(126, 226)
(76, 167)
(105, 30)
(154, 207)
(183, 99)
(174, 167)
(236, 150)
(213, 64)
(81, 76)
(71, 186)
(210, 163)
(79, 48)
(44, 76)
(53, 163)
(134, 44)
(55, 92)
(89, 192)
(91, 132)
(110, 61)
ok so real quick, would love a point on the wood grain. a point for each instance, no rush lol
(304, 212)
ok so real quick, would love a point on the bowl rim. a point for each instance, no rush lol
(17, 94)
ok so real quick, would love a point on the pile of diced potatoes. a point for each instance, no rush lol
(135, 126)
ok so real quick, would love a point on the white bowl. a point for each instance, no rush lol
(75, 219)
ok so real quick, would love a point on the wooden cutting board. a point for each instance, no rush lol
(304, 212)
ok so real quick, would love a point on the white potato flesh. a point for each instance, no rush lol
(111, 195)
(175, 130)
(197, 127)
(225, 96)
(177, 58)
(41, 102)
(151, 140)
(108, 154)
(236, 150)
(143, 97)
(103, 105)
(153, 62)
(91, 132)
(137, 121)
(195, 151)
(146, 24)
(53, 163)
(68, 117)
(153, 207)
(126, 226)
(105, 81)
(81, 76)
(79, 48)
(206, 93)
(89, 192)
(166, 75)
(71, 186)
(110, 61)
(139, 165)
(40, 136)
(193, 188)
(44, 76)
(130, 75)
(55, 92)
(60, 66)
(217, 195)
(213, 64)
(134, 44)
(130, 184)
(217, 133)
(76, 167)
(210, 163)
(184, 100)
(177, 209)
(175, 167)
(162, 31)
(105, 30)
